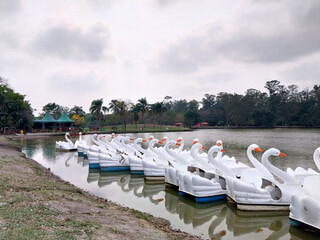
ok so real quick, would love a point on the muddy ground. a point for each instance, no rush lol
(35, 204)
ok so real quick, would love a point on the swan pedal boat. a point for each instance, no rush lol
(66, 145)
(263, 192)
(305, 208)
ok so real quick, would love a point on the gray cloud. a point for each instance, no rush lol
(294, 34)
(305, 73)
(9, 7)
(73, 43)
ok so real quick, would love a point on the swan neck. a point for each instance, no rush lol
(276, 171)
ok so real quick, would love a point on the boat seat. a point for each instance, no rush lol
(311, 186)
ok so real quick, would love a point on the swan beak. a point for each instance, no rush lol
(179, 140)
(194, 142)
(144, 140)
(282, 154)
(178, 144)
(160, 142)
(131, 139)
(104, 136)
(222, 150)
(150, 138)
(163, 139)
(218, 144)
(257, 149)
(203, 147)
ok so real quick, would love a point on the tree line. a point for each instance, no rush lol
(280, 106)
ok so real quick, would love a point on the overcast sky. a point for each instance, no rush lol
(72, 52)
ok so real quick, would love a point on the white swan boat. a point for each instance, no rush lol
(266, 193)
(204, 186)
(305, 208)
(153, 167)
(183, 160)
(66, 145)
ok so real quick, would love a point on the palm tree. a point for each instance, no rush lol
(143, 107)
(124, 107)
(113, 107)
(158, 109)
(135, 111)
(77, 110)
(97, 108)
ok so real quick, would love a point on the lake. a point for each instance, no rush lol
(217, 220)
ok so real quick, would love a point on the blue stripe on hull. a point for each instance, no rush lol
(111, 169)
(210, 199)
(137, 172)
(183, 194)
(85, 156)
(297, 223)
(94, 165)
(80, 154)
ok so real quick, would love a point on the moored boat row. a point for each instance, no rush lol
(213, 176)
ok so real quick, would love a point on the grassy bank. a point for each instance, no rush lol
(35, 204)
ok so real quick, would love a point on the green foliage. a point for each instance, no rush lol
(15, 111)
(191, 118)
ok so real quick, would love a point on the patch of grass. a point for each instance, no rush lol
(39, 222)
(35, 167)
(18, 198)
(115, 231)
(140, 215)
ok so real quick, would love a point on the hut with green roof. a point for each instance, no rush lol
(48, 122)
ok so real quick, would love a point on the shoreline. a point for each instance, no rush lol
(54, 208)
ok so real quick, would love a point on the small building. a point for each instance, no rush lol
(202, 124)
(178, 124)
(48, 123)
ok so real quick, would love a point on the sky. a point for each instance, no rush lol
(73, 52)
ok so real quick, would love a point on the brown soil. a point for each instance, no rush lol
(62, 210)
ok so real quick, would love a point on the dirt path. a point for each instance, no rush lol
(35, 204)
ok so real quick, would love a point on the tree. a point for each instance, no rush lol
(78, 121)
(77, 110)
(123, 110)
(135, 111)
(143, 107)
(191, 118)
(97, 109)
(15, 111)
(157, 110)
(55, 109)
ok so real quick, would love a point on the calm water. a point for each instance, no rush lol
(218, 220)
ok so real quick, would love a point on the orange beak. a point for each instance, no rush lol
(150, 138)
(203, 147)
(179, 140)
(282, 154)
(104, 136)
(194, 142)
(163, 139)
(218, 144)
(222, 150)
(257, 149)
(160, 142)
(178, 144)
(144, 140)
(131, 139)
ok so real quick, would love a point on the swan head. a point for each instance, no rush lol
(215, 148)
(219, 143)
(80, 133)
(274, 152)
(113, 135)
(164, 139)
(255, 147)
(196, 140)
(179, 139)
